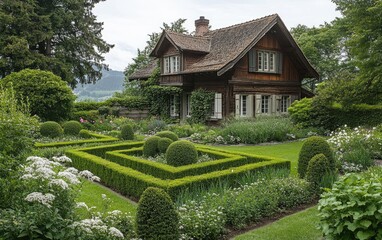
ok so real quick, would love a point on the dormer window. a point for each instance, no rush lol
(265, 61)
(171, 64)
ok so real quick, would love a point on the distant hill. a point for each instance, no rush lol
(111, 82)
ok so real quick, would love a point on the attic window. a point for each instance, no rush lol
(265, 61)
(171, 64)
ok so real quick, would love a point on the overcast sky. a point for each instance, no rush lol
(127, 22)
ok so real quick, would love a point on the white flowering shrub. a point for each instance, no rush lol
(199, 220)
(44, 206)
(355, 148)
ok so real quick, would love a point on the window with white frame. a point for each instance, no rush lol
(218, 106)
(171, 64)
(173, 106)
(243, 105)
(284, 104)
(265, 104)
(265, 61)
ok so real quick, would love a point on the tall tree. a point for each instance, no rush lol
(143, 59)
(364, 21)
(62, 36)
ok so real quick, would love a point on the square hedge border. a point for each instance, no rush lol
(131, 180)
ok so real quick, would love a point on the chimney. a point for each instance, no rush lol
(201, 26)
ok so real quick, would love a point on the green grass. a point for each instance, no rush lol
(299, 226)
(91, 194)
(288, 151)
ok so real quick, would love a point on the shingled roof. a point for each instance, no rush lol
(145, 73)
(224, 47)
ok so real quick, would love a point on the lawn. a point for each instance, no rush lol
(299, 226)
(91, 194)
(288, 151)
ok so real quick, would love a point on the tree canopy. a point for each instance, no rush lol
(61, 36)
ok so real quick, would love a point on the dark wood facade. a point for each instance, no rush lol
(237, 80)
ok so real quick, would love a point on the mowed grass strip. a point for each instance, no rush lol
(288, 151)
(91, 194)
(298, 226)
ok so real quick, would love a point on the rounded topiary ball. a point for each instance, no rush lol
(311, 147)
(150, 147)
(127, 132)
(181, 153)
(51, 129)
(72, 127)
(157, 218)
(318, 167)
(167, 134)
(163, 144)
(84, 133)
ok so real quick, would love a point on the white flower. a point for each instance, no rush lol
(88, 175)
(72, 170)
(115, 232)
(82, 205)
(59, 182)
(69, 176)
(62, 159)
(44, 199)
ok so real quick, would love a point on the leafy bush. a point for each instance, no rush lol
(84, 133)
(87, 105)
(49, 96)
(150, 147)
(17, 127)
(72, 127)
(163, 144)
(318, 167)
(311, 147)
(167, 134)
(201, 105)
(51, 129)
(127, 132)
(104, 110)
(301, 112)
(186, 130)
(351, 209)
(181, 153)
(153, 125)
(156, 216)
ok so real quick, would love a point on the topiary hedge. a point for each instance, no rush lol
(168, 134)
(163, 144)
(157, 218)
(127, 132)
(150, 147)
(72, 128)
(181, 153)
(311, 147)
(51, 129)
(318, 167)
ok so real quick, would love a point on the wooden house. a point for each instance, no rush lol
(255, 68)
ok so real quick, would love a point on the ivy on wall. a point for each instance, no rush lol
(159, 99)
(201, 105)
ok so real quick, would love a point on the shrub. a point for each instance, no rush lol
(181, 153)
(351, 209)
(318, 167)
(72, 127)
(163, 144)
(51, 129)
(301, 112)
(127, 132)
(311, 147)
(150, 147)
(104, 110)
(84, 133)
(49, 96)
(167, 134)
(156, 216)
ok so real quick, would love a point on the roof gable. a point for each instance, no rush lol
(224, 47)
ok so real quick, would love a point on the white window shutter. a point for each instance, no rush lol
(237, 105)
(258, 104)
(250, 105)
